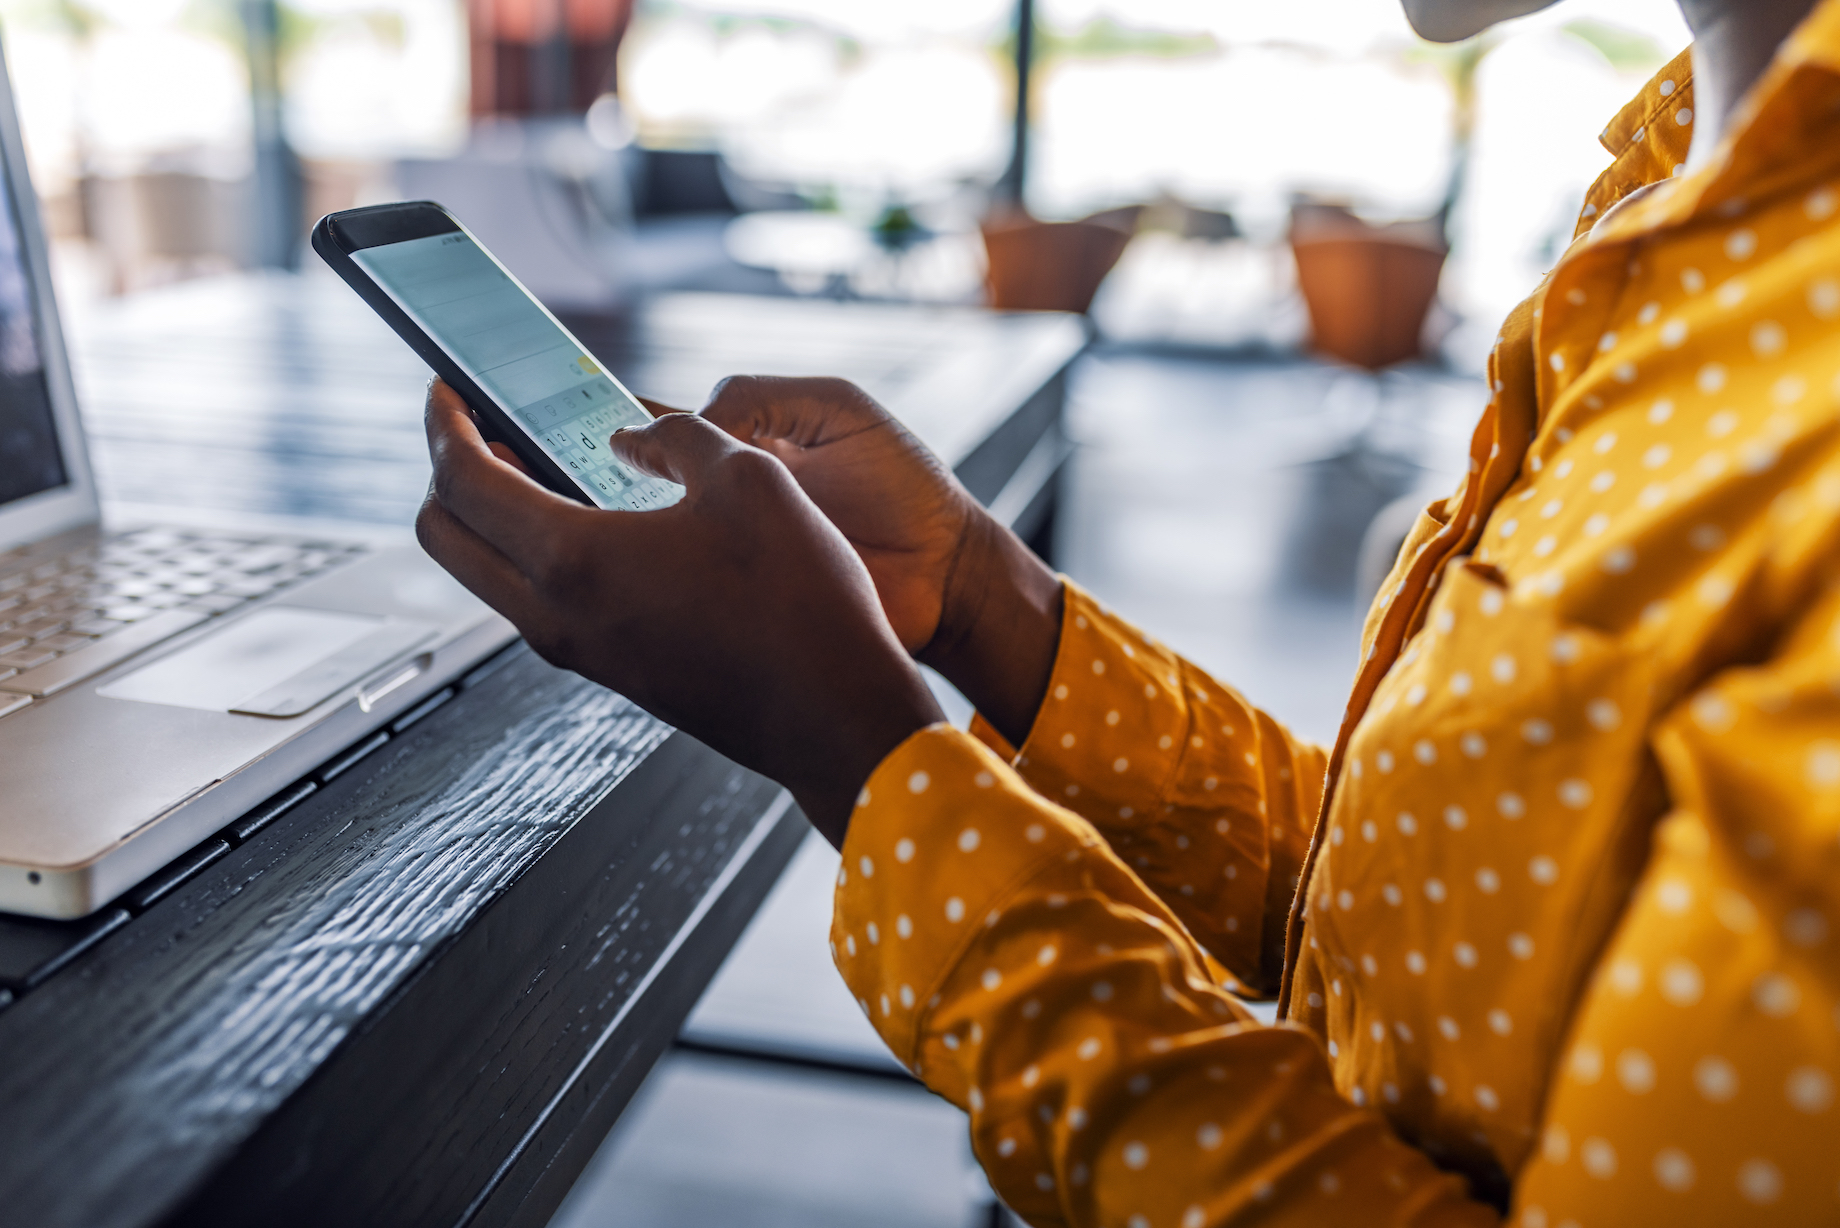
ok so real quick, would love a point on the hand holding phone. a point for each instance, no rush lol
(740, 614)
(534, 387)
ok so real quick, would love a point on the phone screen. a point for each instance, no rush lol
(518, 353)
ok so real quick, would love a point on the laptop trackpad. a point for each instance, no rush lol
(279, 661)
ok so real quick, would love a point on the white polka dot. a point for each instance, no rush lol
(955, 909)
(1692, 281)
(1595, 525)
(918, 782)
(968, 840)
(1209, 1136)
(1603, 714)
(1545, 546)
(1136, 1155)
(1407, 823)
(1536, 731)
(1415, 963)
(1459, 683)
(1681, 982)
(849, 943)
(1822, 765)
(1500, 1023)
(1194, 1217)
(1776, 995)
(904, 926)
(1555, 1145)
(1674, 1169)
(984, 780)
(1465, 955)
(1434, 890)
(1760, 1181)
(1586, 1063)
(1711, 378)
(1447, 1027)
(1120, 764)
(1543, 870)
(1741, 244)
(1520, 946)
(1384, 761)
(1076, 1117)
(1716, 1079)
(875, 935)
(1089, 1049)
(1486, 1099)
(1619, 560)
(1392, 894)
(1424, 752)
(1473, 745)
(1437, 1085)
(867, 867)
(1604, 443)
(1599, 1158)
(1502, 669)
(1574, 793)
(907, 996)
(1635, 1070)
(1491, 602)
(1510, 805)
(1824, 297)
(1821, 204)
(1487, 881)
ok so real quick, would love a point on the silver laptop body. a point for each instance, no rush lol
(157, 681)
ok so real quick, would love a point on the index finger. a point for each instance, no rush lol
(802, 410)
(521, 519)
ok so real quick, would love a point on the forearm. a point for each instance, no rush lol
(1022, 970)
(1207, 799)
(999, 628)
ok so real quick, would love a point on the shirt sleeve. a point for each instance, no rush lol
(1697, 1084)
(1023, 971)
(1209, 800)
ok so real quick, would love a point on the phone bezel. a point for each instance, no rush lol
(337, 235)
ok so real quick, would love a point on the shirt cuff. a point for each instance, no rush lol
(941, 834)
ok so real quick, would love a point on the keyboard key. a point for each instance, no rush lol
(27, 658)
(129, 613)
(12, 642)
(215, 603)
(87, 662)
(96, 626)
(62, 643)
(10, 704)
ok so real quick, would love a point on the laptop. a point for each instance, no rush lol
(158, 681)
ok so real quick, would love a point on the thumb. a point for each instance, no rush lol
(679, 447)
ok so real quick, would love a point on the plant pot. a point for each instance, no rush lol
(1368, 288)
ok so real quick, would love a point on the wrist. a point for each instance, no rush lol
(885, 716)
(999, 626)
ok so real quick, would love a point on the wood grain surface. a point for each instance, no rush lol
(459, 1003)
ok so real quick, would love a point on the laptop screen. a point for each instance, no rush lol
(30, 461)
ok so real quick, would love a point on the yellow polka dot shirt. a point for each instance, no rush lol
(1552, 925)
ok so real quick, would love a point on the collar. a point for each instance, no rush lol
(1789, 115)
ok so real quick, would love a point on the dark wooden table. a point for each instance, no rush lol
(424, 992)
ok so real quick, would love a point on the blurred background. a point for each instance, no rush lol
(1289, 229)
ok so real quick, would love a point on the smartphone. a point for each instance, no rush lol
(532, 385)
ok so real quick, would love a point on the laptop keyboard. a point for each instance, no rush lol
(67, 617)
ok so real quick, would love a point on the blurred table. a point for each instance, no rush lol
(424, 993)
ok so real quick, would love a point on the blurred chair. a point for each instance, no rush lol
(1368, 288)
(1053, 266)
(162, 226)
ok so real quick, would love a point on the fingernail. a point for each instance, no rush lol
(630, 426)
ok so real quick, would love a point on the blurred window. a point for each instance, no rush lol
(843, 100)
